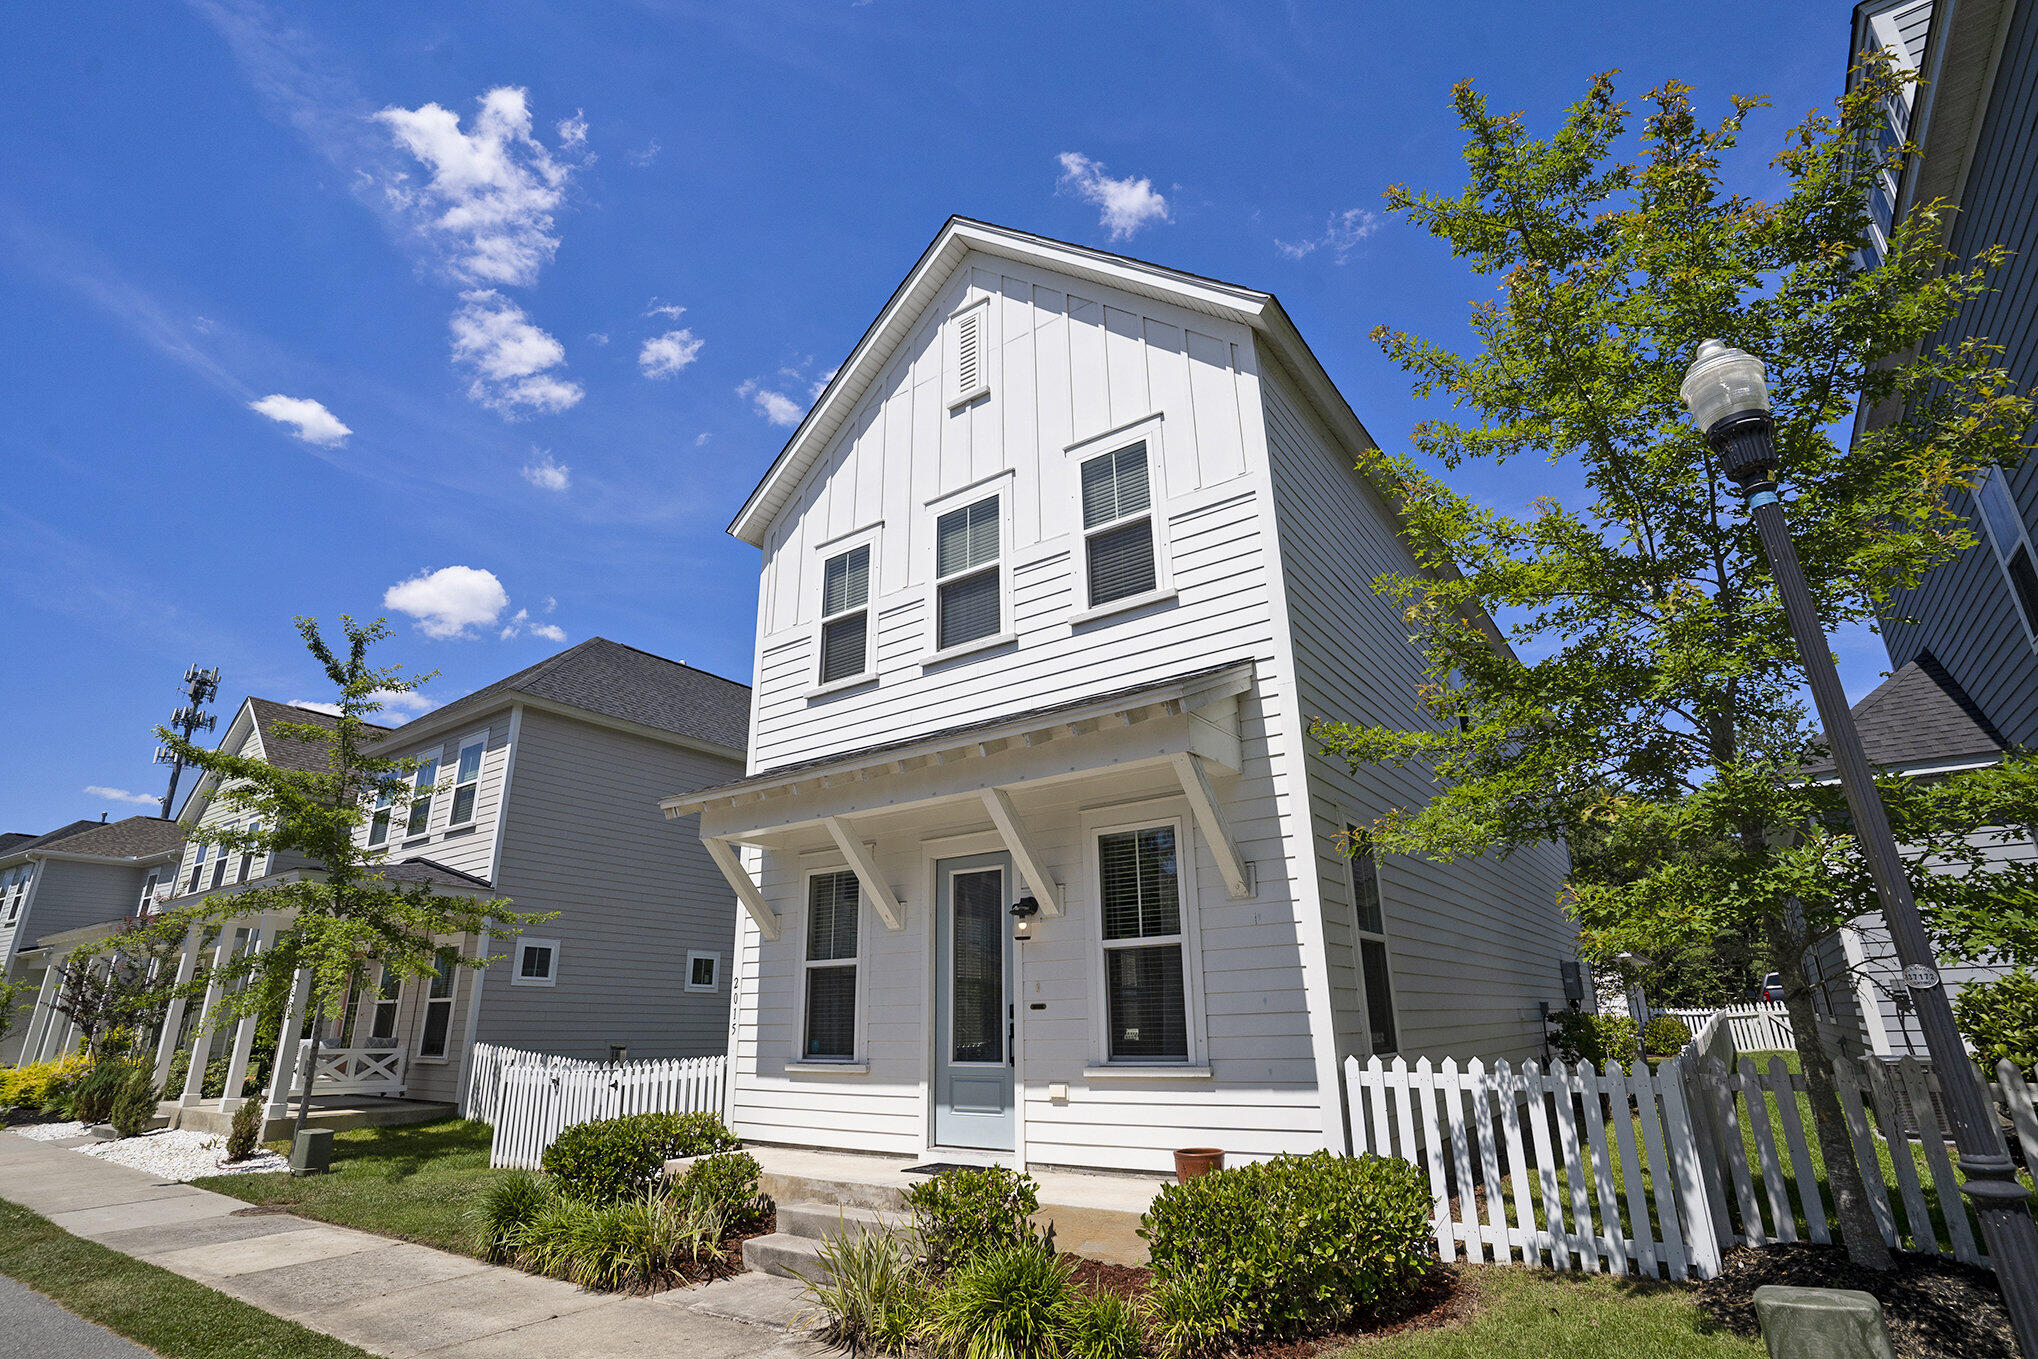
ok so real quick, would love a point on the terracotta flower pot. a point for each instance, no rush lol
(1193, 1161)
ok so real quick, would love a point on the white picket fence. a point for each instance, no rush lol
(1628, 1171)
(1755, 1028)
(532, 1097)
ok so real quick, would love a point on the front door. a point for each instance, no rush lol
(973, 999)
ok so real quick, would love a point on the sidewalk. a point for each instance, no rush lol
(389, 1297)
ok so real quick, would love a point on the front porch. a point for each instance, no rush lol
(337, 1113)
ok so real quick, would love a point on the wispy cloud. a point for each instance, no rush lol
(671, 311)
(1124, 205)
(642, 158)
(547, 474)
(308, 420)
(776, 407)
(664, 355)
(398, 706)
(522, 622)
(512, 360)
(1341, 235)
(94, 790)
(573, 131)
(450, 602)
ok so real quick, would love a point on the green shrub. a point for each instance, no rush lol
(508, 1207)
(243, 1135)
(93, 1102)
(1099, 1325)
(726, 1183)
(868, 1291)
(1281, 1249)
(1006, 1303)
(963, 1213)
(2000, 1018)
(39, 1083)
(614, 1158)
(1598, 1039)
(135, 1106)
(1666, 1035)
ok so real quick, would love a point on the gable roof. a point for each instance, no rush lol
(135, 837)
(613, 680)
(289, 752)
(9, 840)
(1920, 718)
(29, 842)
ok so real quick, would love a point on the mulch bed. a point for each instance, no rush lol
(1936, 1306)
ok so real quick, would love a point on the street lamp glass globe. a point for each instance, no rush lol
(1724, 381)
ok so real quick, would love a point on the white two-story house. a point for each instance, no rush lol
(1036, 856)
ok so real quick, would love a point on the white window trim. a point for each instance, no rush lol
(375, 1002)
(835, 547)
(389, 830)
(1000, 485)
(194, 877)
(1147, 430)
(517, 977)
(426, 1000)
(694, 954)
(2006, 551)
(437, 755)
(257, 864)
(859, 1058)
(951, 353)
(1360, 935)
(148, 897)
(1145, 816)
(479, 738)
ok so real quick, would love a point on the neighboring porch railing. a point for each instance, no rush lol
(532, 1097)
(352, 1071)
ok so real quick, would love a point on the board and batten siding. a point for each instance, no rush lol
(1494, 919)
(583, 836)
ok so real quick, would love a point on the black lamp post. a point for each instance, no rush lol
(1728, 394)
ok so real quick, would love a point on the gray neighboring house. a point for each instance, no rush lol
(85, 873)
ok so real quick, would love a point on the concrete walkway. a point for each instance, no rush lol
(33, 1324)
(389, 1297)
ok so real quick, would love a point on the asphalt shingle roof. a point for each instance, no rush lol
(1920, 717)
(620, 681)
(136, 837)
(288, 752)
(430, 871)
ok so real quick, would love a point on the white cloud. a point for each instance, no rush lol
(596, 337)
(511, 359)
(702, 438)
(521, 621)
(668, 310)
(449, 602)
(1125, 205)
(122, 795)
(644, 157)
(397, 705)
(308, 420)
(664, 355)
(776, 407)
(547, 474)
(1341, 236)
(573, 131)
(821, 384)
(492, 191)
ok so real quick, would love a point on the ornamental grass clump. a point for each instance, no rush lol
(505, 1213)
(1284, 1249)
(959, 1214)
(868, 1291)
(1095, 1324)
(1007, 1303)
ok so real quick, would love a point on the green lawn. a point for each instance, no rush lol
(152, 1307)
(1520, 1312)
(416, 1182)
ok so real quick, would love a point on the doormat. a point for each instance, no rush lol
(936, 1167)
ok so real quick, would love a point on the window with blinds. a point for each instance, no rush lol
(1145, 995)
(968, 594)
(2012, 543)
(438, 1023)
(845, 615)
(1374, 974)
(467, 780)
(421, 801)
(1118, 524)
(833, 905)
(378, 824)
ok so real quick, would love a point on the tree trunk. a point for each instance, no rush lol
(1858, 1229)
(310, 1060)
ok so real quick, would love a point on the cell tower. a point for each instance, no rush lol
(201, 686)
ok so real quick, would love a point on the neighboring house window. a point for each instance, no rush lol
(219, 870)
(1118, 525)
(968, 591)
(537, 962)
(439, 1003)
(1146, 1001)
(833, 905)
(378, 825)
(13, 888)
(1374, 973)
(248, 855)
(388, 999)
(845, 615)
(2012, 542)
(198, 868)
(148, 900)
(421, 799)
(703, 971)
(467, 779)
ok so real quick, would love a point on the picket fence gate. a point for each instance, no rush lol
(1755, 1028)
(532, 1097)
(1629, 1171)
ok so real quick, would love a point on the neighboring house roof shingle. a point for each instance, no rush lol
(1920, 718)
(137, 837)
(288, 752)
(622, 682)
(431, 871)
(48, 838)
(12, 840)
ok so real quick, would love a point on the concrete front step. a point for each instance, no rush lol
(783, 1254)
(794, 1249)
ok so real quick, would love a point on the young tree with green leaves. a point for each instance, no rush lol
(1651, 704)
(346, 914)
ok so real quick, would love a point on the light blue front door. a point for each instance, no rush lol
(973, 1000)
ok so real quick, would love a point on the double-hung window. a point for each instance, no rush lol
(1118, 527)
(198, 867)
(13, 888)
(968, 589)
(248, 855)
(2012, 543)
(421, 797)
(148, 901)
(1374, 973)
(219, 869)
(833, 905)
(1146, 1001)
(845, 614)
(467, 779)
(388, 998)
(378, 824)
(438, 1023)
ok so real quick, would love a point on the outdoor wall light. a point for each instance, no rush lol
(1023, 911)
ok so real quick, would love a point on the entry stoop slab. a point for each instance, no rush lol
(336, 1113)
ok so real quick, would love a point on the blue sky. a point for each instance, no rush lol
(300, 314)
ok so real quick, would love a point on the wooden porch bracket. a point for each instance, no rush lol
(1238, 873)
(732, 868)
(874, 886)
(1006, 818)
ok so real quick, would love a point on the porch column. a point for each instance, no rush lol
(201, 1043)
(173, 1017)
(244, 1031)
(39, 1017)
(284, 1074)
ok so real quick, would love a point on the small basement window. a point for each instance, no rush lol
(537, 962)
(703, 971)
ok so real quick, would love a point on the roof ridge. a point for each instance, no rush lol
(684, 665)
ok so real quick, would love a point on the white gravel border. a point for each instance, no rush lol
(48, 1132)
(179, 1154)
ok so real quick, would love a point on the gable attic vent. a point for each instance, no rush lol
(968, 353)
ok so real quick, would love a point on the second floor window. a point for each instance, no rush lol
(198, 868)
(845, 615)
(467, 780)
(148, 901)
(248, 855)
(2012, 543)
(968, 592)
(378, 824)
(421, 799)
(1118, 525)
